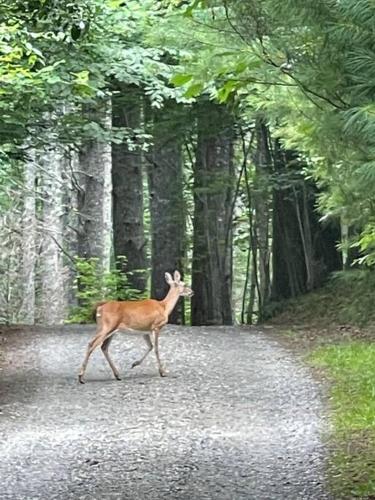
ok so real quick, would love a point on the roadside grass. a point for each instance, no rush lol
(350, 367)
(334, 327)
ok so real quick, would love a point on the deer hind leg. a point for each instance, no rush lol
(93, 344)
(105, 347)
(162, 371)
(150, 347)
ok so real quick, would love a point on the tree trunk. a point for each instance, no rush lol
(71, 221)
(212, 238)
(10, 262)
(349, 253)
(128, 230)
(304, 250)
(165, 176)
(51, 267)
(289, 273)
(27, 310)
(95, 198)
(262, 205)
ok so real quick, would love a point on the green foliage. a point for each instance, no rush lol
(309, 67)
(61, 54)
(93, 285)
(42, 62)
(10, 182)
(306, 66)
(351, 368)
(366, 244)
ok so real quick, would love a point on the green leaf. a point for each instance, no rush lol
(115, 4)
(240, 68)
(82, 77)
(226, 90)
(180, 79)
(194, 90)
(189, 11)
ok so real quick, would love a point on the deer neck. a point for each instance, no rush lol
(171, 300)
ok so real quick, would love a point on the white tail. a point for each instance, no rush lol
(139, 315)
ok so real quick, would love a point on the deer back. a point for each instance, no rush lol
(140, 315)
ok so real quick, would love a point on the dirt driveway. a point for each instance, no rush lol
(238, 417)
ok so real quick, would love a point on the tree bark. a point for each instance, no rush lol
(127, 179)
(212, 237)
(27, 309)
(262, 200)
(71, 193)
(51, 267)
(289, 272)
(165, 177)
(10, 263)
(304, 250)
(95, 196)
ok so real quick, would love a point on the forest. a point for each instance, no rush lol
(230, 140)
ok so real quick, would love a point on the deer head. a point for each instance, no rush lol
(177, 284)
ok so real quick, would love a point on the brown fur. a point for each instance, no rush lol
(142, 316)
(95, 307)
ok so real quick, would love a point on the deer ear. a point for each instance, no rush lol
(177, 276)
(168, 278)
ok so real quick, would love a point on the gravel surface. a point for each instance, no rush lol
(238, 417)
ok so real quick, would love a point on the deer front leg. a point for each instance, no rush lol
(105, 347)
(162, 371)
(150, 347)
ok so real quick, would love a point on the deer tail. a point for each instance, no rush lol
(95, 307)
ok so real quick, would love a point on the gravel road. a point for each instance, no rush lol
(238, 417)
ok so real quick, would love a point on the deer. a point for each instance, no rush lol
(147, 315)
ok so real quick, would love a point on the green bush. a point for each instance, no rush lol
(92, 285)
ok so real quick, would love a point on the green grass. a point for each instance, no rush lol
(351, 369)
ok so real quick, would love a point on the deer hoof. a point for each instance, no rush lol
(135, 364)
(80, 379)
(118, 377)
(163, 373)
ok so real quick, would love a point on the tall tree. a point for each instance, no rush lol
(127, 179)
(95, 193)
(262, 208)
(71, 190)
(10, 260)
(212, 238)
(51, 295)
(165, 167)
(27, 310)
(304, 251)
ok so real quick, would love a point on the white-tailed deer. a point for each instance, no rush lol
(140, 316)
